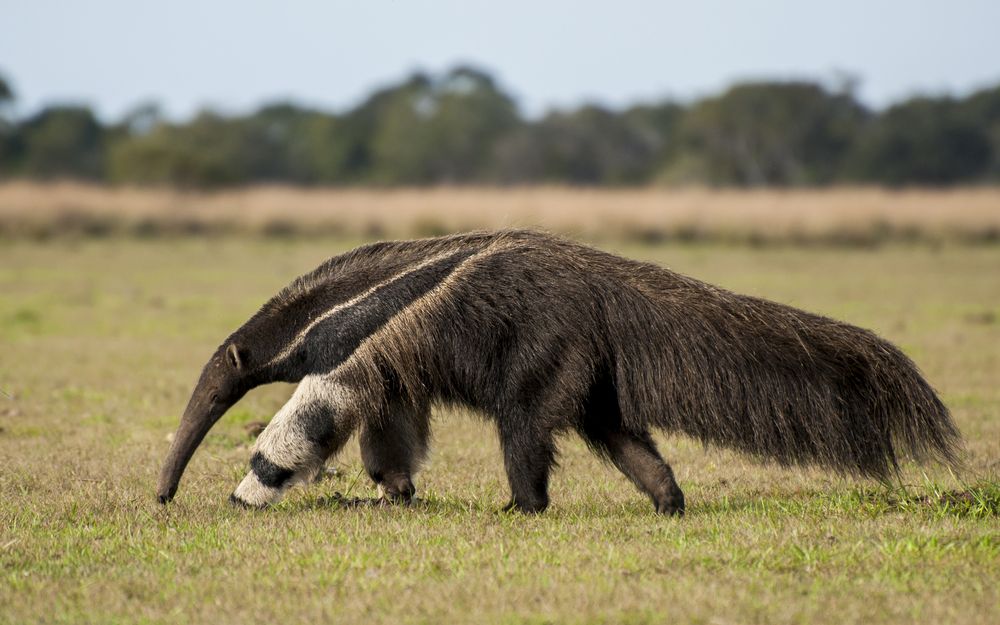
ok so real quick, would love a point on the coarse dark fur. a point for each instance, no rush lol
(543, 336)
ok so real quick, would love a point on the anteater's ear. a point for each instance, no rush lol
(233, 356)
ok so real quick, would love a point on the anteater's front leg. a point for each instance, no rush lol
(313, 425)
(392, 448)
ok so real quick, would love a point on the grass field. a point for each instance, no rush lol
(101, 341)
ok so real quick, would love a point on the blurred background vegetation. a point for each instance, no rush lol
(462, 128)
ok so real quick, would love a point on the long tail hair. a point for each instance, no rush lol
(774, 381)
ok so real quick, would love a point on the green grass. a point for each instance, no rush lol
(101, 341)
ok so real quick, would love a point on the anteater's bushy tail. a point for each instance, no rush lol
(777, 382)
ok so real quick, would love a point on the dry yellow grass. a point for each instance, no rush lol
(848, 215)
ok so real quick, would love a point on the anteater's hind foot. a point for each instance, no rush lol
(636, 456)
(671, 503)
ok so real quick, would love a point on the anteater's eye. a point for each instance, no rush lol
(213, 397)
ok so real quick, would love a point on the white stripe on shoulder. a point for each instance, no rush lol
(301, 335)
(422, 304)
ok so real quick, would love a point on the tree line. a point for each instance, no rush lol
(460, 127)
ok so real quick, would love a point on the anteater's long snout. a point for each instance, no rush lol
(195, 424)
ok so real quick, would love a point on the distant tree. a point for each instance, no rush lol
(8, 142)
(773, 133)
(142, 119)
(6, 93)
(350, 149)
(442, 130)
(461, 127)
(279, 143)
(923, 141)
(388, 133)
(471, 114)
(201, 153)
(590, 146)
(62, 141)
(656, 125)
(276, 144)
(982, 109)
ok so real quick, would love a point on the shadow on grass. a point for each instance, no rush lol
(420, 505)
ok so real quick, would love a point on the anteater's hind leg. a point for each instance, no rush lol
(528, 457)
(314, 424)
(636, 456)
(631, 450)
(392, 448)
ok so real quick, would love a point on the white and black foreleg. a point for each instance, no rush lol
(313, 425)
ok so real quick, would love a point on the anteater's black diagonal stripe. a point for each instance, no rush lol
(344, 331)
(269, 474)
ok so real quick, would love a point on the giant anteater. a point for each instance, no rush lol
(542, 335)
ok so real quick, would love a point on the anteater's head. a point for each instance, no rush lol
(224, 380)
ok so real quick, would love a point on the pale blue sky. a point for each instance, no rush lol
(234, 55)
